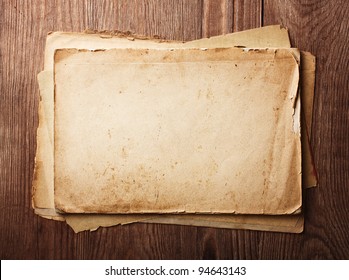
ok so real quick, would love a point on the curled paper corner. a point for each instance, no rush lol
(295, 94)
(283, 27)
(296, 211)
(296, 117)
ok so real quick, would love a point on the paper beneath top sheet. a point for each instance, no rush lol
(268, 36)
(280, 223)
(164, 131)
(43, 189)
(273, 36)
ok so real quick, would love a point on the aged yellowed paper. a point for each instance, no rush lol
(272, 36)
(168, 131)
(269, 37)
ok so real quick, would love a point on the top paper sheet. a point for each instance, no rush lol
(162, 131)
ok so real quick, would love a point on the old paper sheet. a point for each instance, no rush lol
(283, 223)
(269, 36)
(272, 36)
(307, 84)
(192, 131)
(91, 221)
(43, 174)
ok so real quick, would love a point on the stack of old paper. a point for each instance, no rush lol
(206, 133)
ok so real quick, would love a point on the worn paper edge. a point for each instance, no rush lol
(293, 95)
(211, 38)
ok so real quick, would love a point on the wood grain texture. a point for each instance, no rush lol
(248, 14)
(321, 27)
(226, 16)
(217, 17)
(317, 26)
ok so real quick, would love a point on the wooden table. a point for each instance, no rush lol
(321, 27)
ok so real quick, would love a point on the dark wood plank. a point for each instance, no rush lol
(225, 16)
(217, 17)
(247, 14)
(321, 27)
(18, 120)
(170, 19)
